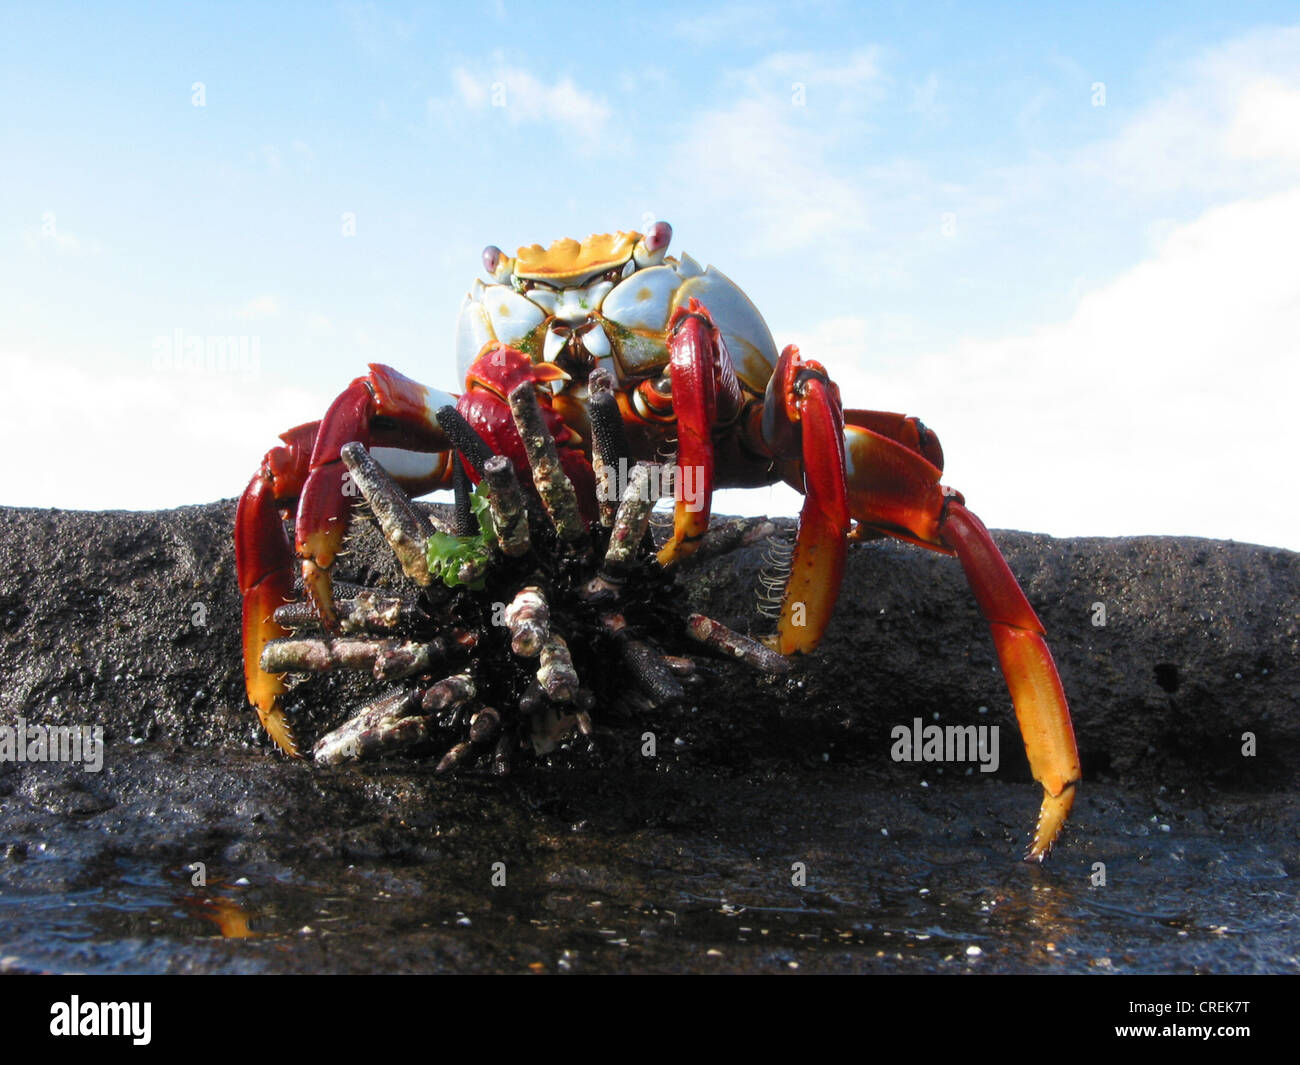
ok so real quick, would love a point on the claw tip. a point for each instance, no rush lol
(277, 727)
(1051, 818)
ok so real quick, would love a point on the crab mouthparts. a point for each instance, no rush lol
(575, 347)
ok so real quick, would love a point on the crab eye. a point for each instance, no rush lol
(492, 256)
(658, 236)
(653, 399)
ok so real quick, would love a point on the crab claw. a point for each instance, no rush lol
(499, 371)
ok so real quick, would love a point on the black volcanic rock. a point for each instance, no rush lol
(131, 621)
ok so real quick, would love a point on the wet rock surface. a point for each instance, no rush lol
(770, 832)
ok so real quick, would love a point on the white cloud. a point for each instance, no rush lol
(1162, 405)
(1162, 401)
(377, 32)
(1267, 122)
(755, 158)
(143, 439)
(473, 91)
(926, 100)
(263, 306)
(522, 97)
(766, 155)
(855, 80)
(736, 24)
(49, 236)
(319, 326)
(1226, 127)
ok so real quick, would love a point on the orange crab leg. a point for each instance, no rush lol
(1027, 665)
(894, 490)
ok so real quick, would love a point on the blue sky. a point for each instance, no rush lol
(1064, 238)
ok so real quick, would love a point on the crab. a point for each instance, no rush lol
(611, 331)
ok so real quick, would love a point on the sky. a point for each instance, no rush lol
(1066, 239)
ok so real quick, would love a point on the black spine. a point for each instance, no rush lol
(463, 437)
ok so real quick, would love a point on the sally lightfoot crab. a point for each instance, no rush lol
(696, 385)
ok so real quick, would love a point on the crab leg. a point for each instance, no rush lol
(326, 502)
(305, 476)
(487, 412)
(706, 394)
(264, 562)
(883, 470)
(802, 416)
(1027, 665)
(893, 489)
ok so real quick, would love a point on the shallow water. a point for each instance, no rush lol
(387, 868)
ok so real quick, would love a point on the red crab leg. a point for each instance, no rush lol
(264, 563)
(802, 417)
(894, 490)
(409, 410)
(290, 477)
(906, 430)
(706, 394)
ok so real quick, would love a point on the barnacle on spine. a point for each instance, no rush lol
(520, 626)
